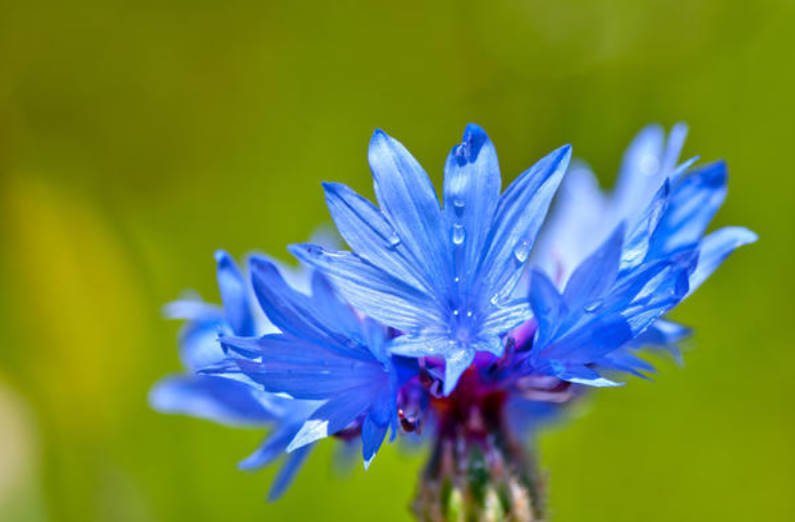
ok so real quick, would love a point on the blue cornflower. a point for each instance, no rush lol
(656, 256)
(224, 400)
(449, 317)
(326, 352)
(442, 276)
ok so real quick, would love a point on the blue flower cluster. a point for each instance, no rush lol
(483, 303)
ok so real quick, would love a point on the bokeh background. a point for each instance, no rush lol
(138, 137)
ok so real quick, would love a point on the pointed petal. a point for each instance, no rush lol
(372, 436)
(214, 398)
(291, 311)
(503, 318)
(408, 200)
(286, 475)
(454, 366)
(519, 216)
(596, 275)
(471, 193)
(369, 234)
(383, 297)
(693, 203)
(333, 416)
(715, 248)
(234, 294)
(549, 308)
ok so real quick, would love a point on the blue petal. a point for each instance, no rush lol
(287, 473)
(372, 437)
(193, 310)
(290, 310)
(273, 447)
(715, 248)
(306, 370)
(214, 398)
(368, 288)
(641, 173)
(335, 415)
(471, 193)
(548, 305)
(519, 216)
(369, 234)
(576, 225)
(596, 275)
(454, 365)
(693, 203)
(198, 344)
(407, 198)
(234, 294)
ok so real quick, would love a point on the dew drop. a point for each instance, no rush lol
(458, 234)
(456, 279)
(469, 313)
(521, 251)
(456, 312)
(458, 206)
(394, 240)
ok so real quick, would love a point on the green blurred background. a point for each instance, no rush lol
(138, 137)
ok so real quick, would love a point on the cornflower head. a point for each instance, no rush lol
(468, 322)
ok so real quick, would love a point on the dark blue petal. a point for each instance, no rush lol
(215, 398)
(372, 436)
(333, 416)
(693, 203)
(234, 295)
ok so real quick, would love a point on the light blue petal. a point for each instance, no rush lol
(715, 248)
(369, 234)
(214, 398)
(576, 225)
(408, 200)
(371, 290)
(519, 216)
(471, 194)
(199, 346)
(641, 173)
(454, 365)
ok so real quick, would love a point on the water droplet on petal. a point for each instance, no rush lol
(469, 313)
(456, 312)
(458, 206)
(458, 234)
(456, 279)
(521, 251)
(394, 240)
